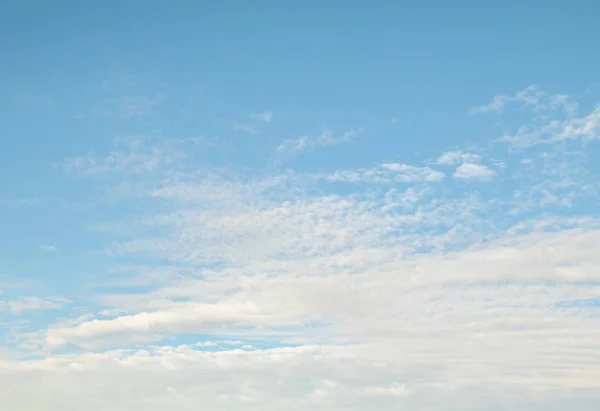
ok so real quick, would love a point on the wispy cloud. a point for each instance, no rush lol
(134, 155)
(19, 202)
(264, 117)
(23, 304)
(256, 126)
(531, 97)
(138, 106)
(47, 247)
(387, 173)
(326, 138)
(246, 128)
(584, 129)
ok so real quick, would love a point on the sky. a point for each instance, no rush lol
(299, 205)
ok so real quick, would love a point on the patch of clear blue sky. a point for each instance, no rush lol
(335, 64)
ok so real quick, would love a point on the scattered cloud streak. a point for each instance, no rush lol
(531, 97)
(326, 138)
(264, 117)
(21, 305)
(388, 173)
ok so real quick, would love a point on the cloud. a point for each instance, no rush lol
(388, 173)
(531, 97)
(19, 202)
(326, 138)
(138, 106)
(316, 377)
(491, 305)
(468, 171)
(581, 129)
(253, 128)
(246, 128)
(133, 155)
(264, 117)
(391, 290)
(456, 157)
(46, 247)
(23, 304)
(399, 391)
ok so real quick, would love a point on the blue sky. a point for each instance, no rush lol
(321, 204)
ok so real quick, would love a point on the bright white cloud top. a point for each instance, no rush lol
(199, 257)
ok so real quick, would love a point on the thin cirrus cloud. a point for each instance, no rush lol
(255, 127)
(264, 117)
(24, 304)
(532, 97)
(387, 173)
(326, 138)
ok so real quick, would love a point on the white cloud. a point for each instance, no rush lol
(470, 171)
(456, 157)
(116, 162)
(376, 296)
(493, 307)
(583, 129)
(133, 155)
(397, 391)
(326, 138)
(46, 247)
(22, 304)
(253, 127)
(138, 106)
(264, 117)
(19, 202)
(246, 128)
(530, 96)
(315, 377)
(540, 102)
(388, 173)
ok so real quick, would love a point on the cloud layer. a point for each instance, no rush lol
(464, 283)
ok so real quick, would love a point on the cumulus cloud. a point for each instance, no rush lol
(470, 171)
